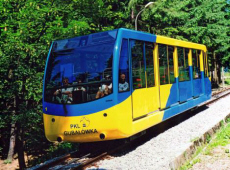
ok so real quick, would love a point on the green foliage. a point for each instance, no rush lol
(205, 21)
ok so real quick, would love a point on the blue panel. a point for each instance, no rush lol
(191, 78)
(202, 82)
(173, 97)
(208, 90)
(185, 90)
(123, 96)
(137, 35)
(197, 87)
(172, 111)
(80, 109)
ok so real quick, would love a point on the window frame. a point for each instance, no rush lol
(197, 59)
(144, 61)
(168, 63)
(184, 61)
(129, 65)
(153, 65)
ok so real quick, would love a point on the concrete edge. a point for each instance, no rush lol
(188, 153)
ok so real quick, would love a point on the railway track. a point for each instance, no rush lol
(218, 95)
(78, 160)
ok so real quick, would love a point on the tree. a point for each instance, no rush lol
(201, 21)
(28, 29)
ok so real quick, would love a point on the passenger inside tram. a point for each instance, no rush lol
(79, 87)
(123, 84)
(64, 95)
(105, 89)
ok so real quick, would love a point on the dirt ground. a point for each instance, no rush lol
(12, 166)
(217, 159)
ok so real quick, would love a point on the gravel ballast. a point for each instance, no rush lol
(161, 150)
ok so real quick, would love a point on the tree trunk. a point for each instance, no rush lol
(20, 147)
(12, 143)
(215, 76)
(20, 134)
(218, 71)
(12, 136)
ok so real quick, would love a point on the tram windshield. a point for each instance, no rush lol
(80, 69)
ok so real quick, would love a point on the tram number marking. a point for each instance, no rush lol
(74, 126)
(80, 132)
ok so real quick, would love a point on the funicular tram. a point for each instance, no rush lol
(115, 84)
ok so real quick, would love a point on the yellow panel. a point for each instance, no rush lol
(175, 62)
(148, 121)
(156, 65)
(145, 100)
(201, 62)
(157, 74)
(140, 102)
(180, 43)
(190, 57)
(117, 124)
(164, 94)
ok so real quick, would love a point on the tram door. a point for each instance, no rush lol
(168, 87)
(197, 79)
(144, 92)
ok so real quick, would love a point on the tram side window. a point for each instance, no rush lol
(166, 64)
(149, 64)
(205, 64)
(171, 66)
(208, 69)
(196, 64)
(183, 64)
(163, 64)
(124, 67)
(138, 66)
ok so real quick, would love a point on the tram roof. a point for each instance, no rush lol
(110, 35)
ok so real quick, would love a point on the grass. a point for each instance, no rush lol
(195, 139)
(227, 74)
(227, 81)
(195, 160)
(7, 162)
(222, 138)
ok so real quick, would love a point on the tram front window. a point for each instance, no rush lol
(80, 74)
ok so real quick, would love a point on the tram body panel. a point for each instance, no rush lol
(114, 123)
(121, 115)
(144, 101)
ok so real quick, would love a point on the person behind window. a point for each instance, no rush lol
(123, 85)
(79, 87)
(64, 95)
(105, 89)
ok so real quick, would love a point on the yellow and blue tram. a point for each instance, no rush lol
(115, 84)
